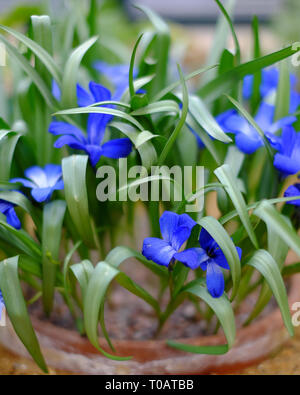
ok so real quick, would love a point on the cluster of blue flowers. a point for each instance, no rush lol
(176, 230)
(43, 182)
(246, 137)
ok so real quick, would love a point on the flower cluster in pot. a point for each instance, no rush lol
(70, 118)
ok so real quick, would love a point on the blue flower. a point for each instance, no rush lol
(269, 85)
(247, 138)
(8, 209)
(117, 74)
(209, 257)
(175, 230)
(287, 160)
(96, 125)
(293, 191)
(42, 182)
(1, 303)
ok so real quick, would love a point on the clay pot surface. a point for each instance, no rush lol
(67, 350)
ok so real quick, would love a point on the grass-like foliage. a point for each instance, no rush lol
(77, 100)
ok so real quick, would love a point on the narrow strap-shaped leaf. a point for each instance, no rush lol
(38, 50)
(74, 174)
(279, 225)
(223, 310)
(202, 116)
(216, 230)
(146, 149)
(265, 264)
(82, 272)
(131, 67)
(120, 254)
(70, 76)
(20, 200)
(17, 311)
(181, 122)
(282, 105)
(8, 142)
(176, 84)
(224, 82)
(20, 239)
(31, 72)
(226, 177)
(101, 110)
(53, 217)
(157, 107)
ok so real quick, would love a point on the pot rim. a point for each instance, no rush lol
(147, 350)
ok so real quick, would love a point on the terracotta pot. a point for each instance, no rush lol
(65, 349)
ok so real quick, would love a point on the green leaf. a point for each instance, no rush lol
(204, 118)
(83, 272)
(145, 148)
(8, 142)
(22, 201)
(282, 105)
(223, 310)
(20, 239)
(31, 72)
(120, 254)
(235, 39)
(154, 108)
(279, 225)
(70, 76)
(17, 311)
(207, 141)
(38, 50)
(216, 230)
(224, 174)
(74, 174)
(161, 49)
(131, 67)
(98, 284)
(226, 81)
(185, 105)
(176, 84)
(42, 35)
(53, 216)
(265, 264)
(99, 110)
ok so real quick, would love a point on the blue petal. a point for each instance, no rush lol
(42, 194)
(168, 224)
(63, 128)
(247, 144)
(157, 250)
(264, 116)
(192, 258)
(37, 175)
(176, 229)
(286, 165)
(23, 181)
(5, 206)
(293, 191)
(53, 173)
(214, 280)
(220, 258)
(12, 219)
(1, 303)
(119, 148)
(247, 86)
(270, 79)
(84, 98)
(94, 152)
(56, 90)
(97, 122)
(71, 141)
(206, 241)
